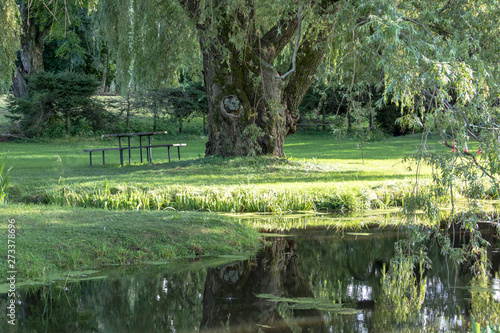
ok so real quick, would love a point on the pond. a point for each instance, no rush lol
(312, 280)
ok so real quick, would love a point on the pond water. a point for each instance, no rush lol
(315, 280)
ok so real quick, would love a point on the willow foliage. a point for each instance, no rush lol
(152, 41)
(439, 62)
(9, 35)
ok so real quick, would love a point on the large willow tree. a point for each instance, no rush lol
(9, 36)
(438, 60)
(238, 44)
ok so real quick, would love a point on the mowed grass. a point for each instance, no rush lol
(319, 173)
(315, 160)
(49, 239)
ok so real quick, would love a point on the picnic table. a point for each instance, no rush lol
(148, 147)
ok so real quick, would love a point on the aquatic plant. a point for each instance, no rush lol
(230, 199)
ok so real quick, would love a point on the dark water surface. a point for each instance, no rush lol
(315, 280)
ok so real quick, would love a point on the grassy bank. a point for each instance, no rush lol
(49, 239)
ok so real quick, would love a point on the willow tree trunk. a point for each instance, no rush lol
(251, 107)
(104, 73)
(32, 42)
(245, 117)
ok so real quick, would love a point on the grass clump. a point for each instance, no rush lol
(230, 199)
(4, 178)
(50, 238)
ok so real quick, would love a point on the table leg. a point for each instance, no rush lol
(103, 161)
(129, 160)
(121, 151)
(168, 154)
(90, 153)
(179, 152)
(140, 145)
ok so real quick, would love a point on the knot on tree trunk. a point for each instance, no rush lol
(229, 106)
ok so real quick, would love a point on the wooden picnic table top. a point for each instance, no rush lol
(132, 134)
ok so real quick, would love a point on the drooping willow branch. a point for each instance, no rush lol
(473, 158)
(294, 58)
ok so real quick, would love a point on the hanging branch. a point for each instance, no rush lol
(474, 160)
(294, 58)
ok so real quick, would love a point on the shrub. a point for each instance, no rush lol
(58, 104)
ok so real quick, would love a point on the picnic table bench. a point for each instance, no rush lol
(148, 147)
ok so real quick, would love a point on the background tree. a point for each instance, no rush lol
(9, 34)
(77, 47)
(37, 19)
(59, 103)
(186, 102)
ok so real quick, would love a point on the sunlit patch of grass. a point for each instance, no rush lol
(50, 238)
(319, 174)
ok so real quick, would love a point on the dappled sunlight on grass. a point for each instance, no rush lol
(316, 165)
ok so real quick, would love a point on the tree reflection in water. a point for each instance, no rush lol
(230, 301)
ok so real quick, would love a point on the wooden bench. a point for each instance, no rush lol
(129, 147)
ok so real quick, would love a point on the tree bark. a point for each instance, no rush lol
(32, 41)
(252, 109)
(245, 118)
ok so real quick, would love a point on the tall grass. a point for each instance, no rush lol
(230, 199)
(4, 178)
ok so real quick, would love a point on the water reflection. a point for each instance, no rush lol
(311, 281)
(230, 300)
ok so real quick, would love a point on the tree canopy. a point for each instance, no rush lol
(437, 60)
(25, 26)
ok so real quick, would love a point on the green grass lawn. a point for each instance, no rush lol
(320, 159)
(317, 166)
(49, 238)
